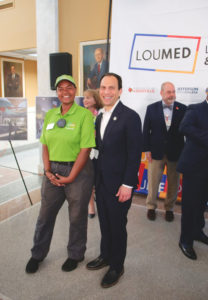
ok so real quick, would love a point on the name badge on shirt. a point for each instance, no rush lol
(50, 126)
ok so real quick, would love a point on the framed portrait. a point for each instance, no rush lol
(12, 78)
(93, 63)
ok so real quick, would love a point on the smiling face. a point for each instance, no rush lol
(89, 101)
(109, 91)
(168, 93)
(66, 92)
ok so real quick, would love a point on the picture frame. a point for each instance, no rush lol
(89, 58)
(13, 118)
(12, 80)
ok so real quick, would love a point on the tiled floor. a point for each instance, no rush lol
(13, 195)
(155, 267)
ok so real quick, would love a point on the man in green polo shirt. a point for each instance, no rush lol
(67, 138)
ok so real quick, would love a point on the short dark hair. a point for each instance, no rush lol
(118, 77)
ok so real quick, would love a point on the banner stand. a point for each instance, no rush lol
(20, 172)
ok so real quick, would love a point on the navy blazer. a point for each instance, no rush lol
(194, 158)
(120, 150)
(156, 138)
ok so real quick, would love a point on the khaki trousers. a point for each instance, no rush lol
(155, 172)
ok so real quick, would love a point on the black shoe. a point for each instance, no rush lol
(70, 264)
(91, 216)
(96, 264)
(202, 237)
(169, 216)
(151, 215)
(32, 265)
(111, 278)
(188, 251)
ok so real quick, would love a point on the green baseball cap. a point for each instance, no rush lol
(65, 77)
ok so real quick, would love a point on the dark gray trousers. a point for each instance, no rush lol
(78, 195)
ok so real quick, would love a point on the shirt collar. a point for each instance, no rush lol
(165, 105)
(70, 111)
(112, 109)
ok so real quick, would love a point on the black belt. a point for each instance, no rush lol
(65, 163)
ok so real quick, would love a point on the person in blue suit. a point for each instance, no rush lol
(119, 141)
(163, 144)
(99, 69)
(193, 163)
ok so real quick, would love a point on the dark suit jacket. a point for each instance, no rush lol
(194, 158)
(157, 139)
(13, 86)
(120, 150)
(95, 76)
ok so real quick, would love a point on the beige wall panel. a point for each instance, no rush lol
(17, 26)
(31, 86)
(80, 21)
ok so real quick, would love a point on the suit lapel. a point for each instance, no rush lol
(175, 114)
(113, 119)
(161, 114)
(98, 122)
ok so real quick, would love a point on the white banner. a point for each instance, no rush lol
(157, 41)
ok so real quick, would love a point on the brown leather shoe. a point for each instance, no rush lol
(151, 215)
(169, 216)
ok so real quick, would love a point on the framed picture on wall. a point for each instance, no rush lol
(12, 78)
(93, 63)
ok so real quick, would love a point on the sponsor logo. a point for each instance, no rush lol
(141, 90)
(187, 90)
(70, 126)
(164, 53)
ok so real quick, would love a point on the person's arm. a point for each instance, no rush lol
(45, 157)
(190, 126)
(134, 148)
(47, 166)
(77, 167)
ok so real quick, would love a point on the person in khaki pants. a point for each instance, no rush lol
(163, 144)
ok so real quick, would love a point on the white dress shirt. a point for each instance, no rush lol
(168, 113)
(105, 118)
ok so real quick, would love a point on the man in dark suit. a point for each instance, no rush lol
(163, 144)
(193, 163)
(99, 69)
(119, 141)
(13, 84)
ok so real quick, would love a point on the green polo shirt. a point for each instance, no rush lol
(64, 144)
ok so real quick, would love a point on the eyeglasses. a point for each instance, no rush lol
(68, 88)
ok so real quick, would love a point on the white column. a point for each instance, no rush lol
(47, 35)
(47, 42)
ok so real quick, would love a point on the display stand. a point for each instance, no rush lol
(20, 172)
